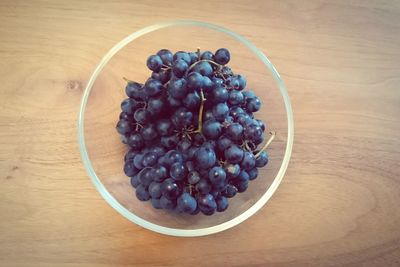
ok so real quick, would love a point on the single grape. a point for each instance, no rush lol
(234, 154)
(262, 159)
(154, 62)
(222, 203)
(223, 142)
(134, 90)
(123, 126)
(173, 102)
(253, 131)
(164, 127)
(186, 203)
(178, 171)
(211, 144)
(220, 111)
(203, 186)
(242, 82)
(155, 190)
(195, 81)
(208, 85)
(207, 204)
(130, 154)
(172, 157)
(146, 176)
(141, 193)
(170, 189)
(129, 106)
(234, 131)
(177, 88)
(138, 161)
(125, 116)
(212, 129)
(163, 76)
(160, 173)
(179, 68)
(183, 145)
(232, 82)
(204, 68)
(193, 57)
(135, 141)
(253, 105)
(222, 56)
(149, 159)
(243, 176)
(182, 55)
(230, 191)
(141, 115)
(253, 173)
(166, 56)
(135, 181)
(242, 186)
(149, 132)
(249, 161)
(192, 101)
(219, 95)
(236, 98)
(153, 87)
(207, 55)
(130, 169)
(155, 105)
(217, 175)
(182, 117)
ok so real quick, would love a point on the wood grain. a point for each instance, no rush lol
(339, 202)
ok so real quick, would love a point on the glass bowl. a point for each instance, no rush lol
(101, 148)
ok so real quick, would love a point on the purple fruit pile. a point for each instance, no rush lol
(191, 131)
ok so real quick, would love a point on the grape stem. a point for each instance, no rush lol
(202, 60)
(127, 80)
(273, 134)
(200, 122)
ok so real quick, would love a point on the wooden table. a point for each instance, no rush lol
(338, 204)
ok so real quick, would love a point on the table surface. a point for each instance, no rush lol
(338, 204)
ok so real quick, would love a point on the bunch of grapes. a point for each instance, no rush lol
(191, 131)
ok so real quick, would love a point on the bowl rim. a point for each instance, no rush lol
(168, 230)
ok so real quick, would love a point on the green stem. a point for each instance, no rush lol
(203, 60)
(200, 120)
(273, 134)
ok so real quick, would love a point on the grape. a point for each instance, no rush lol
(164, 127)
(234, 131)
(141, 193)
(192, 101)
(236, 98)
(217, 175)
(203, 186)
(204, 158)
(173, 102)
(130, 154)
(249, 161)
(149, 159)
(166, 203)
(207, 204)
(186, 203)
(178, 171)
(220, 95)
(146, 176)
(212, 129)
(154, 63)
(159, 173)
(149, 132)
(138, 161)
(133, 90)
(193, 57)
(172, 157)
(262, 160)
(128, 106)
(123, 126)
(220, 111)
(243, 176)
(179, 68)
(166, 56)
(208, 85)
(177, 88)
(155, 105)
(222, 203)
(222, 56)
(155, 190)
(230, 191)
(182, 117)
(195, 80)
(141, 115)
(253, 173)
(207, 55)
(170, 189)
(234, 154)
(156, 203)
(242, 82)
(183, 56)
(169, 141)
(204, 68)
(135, 181)
(253, 105)
(130, 169)
(136, 141)
(162, 76)
(242, 186)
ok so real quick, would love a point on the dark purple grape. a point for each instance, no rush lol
(167, 204)
(177, 88)
(207, 55)
(172, 157)
(193, 177)
(193, 57)
(186, 203)
(208, 85)
(222, 56)
(149, 159)
(135, 141)
(204, 68)
(212, 129)
(223, 143)
(220, 111)
(220, 95)
(230, 191)
(234, 154)
(179, 68)
(173, 102)
(169, 141)
(138, 161)
(178, 171)
(182, 55)
(154, 62)
(149, 132)
(203, 187)
(217, 175)
(253, 173)
(135, 181)
(204, 158)
(262, 159)
(155, 105)
(146, 176)
(236, 98)
(163, 76)
(134, 90)
(182, 117)
(164, 127)
(141, 193)
(155, 190)
(253, 105)
(153, 87)
(234, 131)
(249, 161)
(170, 189)
(160, 173)
(207, 204)
(222, 203)
(130, 169)
(195, 81)
(192, 101)
(166, 56)
(156, 203)
(242, 82)
(129, 106)
(123, 126)
(141, 115)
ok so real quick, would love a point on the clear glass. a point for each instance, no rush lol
(101, 148)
